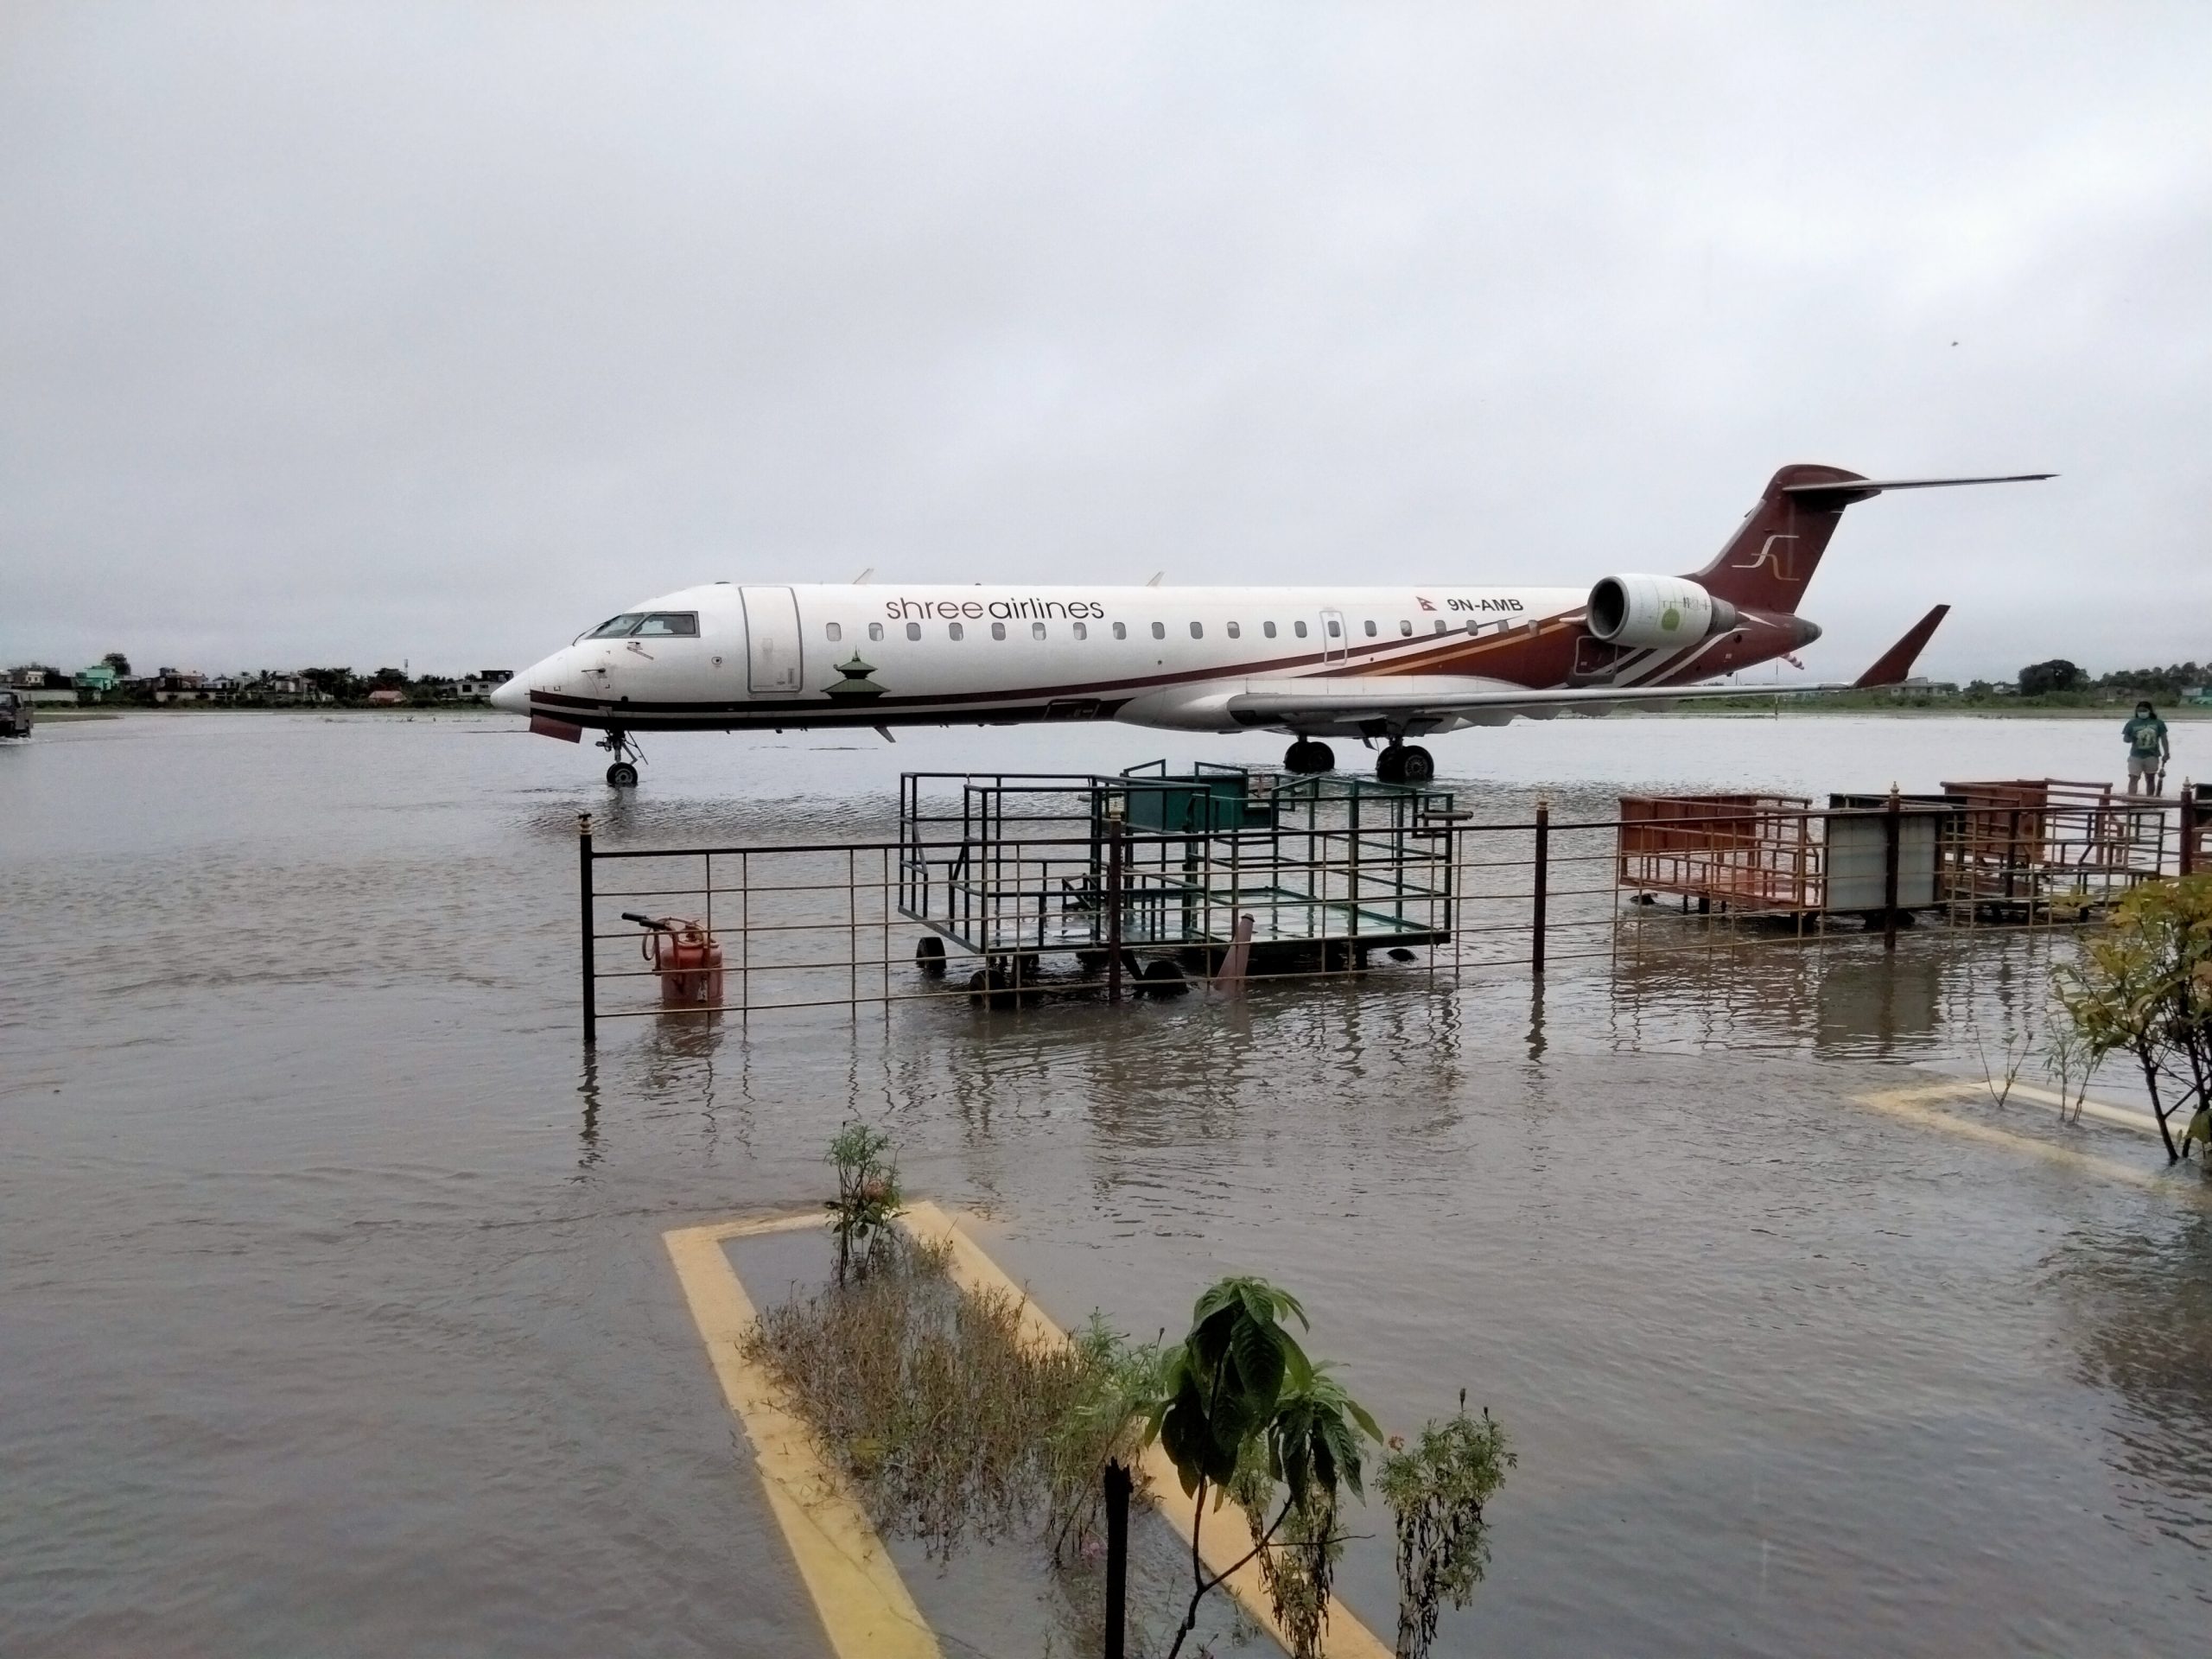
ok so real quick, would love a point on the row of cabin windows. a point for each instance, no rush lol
(835, 632)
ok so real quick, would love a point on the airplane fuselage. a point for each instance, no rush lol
(724, 656)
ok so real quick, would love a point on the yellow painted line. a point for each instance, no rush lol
(2126, 1117)
(863, 1603)
(1226, 1537)
(1912, 1105)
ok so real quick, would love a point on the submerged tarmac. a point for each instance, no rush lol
(335, 1314)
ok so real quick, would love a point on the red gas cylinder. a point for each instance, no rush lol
(690, 964)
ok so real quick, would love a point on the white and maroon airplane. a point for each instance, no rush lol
(1380, 663)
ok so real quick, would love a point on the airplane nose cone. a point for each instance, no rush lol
(514, 697)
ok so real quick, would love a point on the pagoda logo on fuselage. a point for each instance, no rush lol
(853, 681)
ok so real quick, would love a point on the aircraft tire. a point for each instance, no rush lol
(622, 775)
(1162, 978)
(1307, 756)
(1416, 765)
(1390, 765)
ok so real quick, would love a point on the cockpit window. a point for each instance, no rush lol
(662, 624)
(615, 627)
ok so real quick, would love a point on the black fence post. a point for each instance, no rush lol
(1117, 1557)
(1115, 832)
(584, 887)
(1543, 884)
(1893, 824)
(2185, 860)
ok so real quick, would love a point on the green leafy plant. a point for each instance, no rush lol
(868, 1195)
(1242, 1409)
(1103, 1422)
(1438, 1488)
(2142, 986)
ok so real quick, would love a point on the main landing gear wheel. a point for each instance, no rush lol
(1307, 756)
(1405, 763)
(622, 775)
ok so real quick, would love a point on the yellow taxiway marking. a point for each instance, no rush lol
(1913, 1104)
(863, 1603)
(1227, 1538)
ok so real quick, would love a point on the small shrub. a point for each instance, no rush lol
(868, 1195)
(2142, 986)
(1438, 1490)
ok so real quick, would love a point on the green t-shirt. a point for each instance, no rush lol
(2145, 734)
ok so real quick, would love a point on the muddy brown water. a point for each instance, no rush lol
(334, 1317)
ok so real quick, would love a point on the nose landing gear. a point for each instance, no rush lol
(623, 774)
(1404, 763)
(1307, 756)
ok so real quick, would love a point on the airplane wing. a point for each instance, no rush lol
(1352, 700)
(1297, 700)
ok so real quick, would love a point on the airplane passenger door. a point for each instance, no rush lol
(1334, 642)
(771, 642)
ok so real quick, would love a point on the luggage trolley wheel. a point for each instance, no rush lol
(622, 775)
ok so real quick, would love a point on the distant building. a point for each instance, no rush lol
(1934, 690)
(181, 686)
(387, 696)
(474, 688)
(2200, 695)
(34, 684)
(281, 688)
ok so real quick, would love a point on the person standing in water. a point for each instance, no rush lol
(2148, 751)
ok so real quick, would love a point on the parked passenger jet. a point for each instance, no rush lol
(1381, 663)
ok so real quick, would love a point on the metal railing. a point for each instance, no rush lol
(1111, 910)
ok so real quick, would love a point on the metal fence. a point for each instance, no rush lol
(1125, 907)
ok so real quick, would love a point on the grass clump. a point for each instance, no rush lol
(948, 1417)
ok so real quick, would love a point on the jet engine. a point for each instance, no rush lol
(1646, 611)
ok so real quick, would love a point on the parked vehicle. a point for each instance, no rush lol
(14, 714)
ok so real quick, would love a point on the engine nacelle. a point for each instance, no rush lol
(1646, 611)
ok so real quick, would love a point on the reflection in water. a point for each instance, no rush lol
(588, 1130)
(675, 1063)
(2138, 1306)
(1536, 1018)
(1842, 998)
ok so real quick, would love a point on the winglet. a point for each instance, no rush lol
(1897, 661)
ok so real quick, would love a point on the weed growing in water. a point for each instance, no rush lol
(1437, 1490)
(868, 1196)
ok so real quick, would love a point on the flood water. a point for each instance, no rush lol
(334, 1316)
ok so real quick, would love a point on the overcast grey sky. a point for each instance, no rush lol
(351, 333)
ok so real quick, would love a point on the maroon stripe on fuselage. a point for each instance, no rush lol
(1531, 658)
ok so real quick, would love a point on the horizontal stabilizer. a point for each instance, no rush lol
(1843, 492)
(1897, 661)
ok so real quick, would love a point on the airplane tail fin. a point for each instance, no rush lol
(1770, 558)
